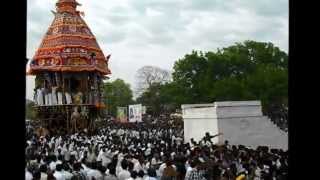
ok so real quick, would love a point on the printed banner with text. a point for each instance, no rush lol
(122, 114)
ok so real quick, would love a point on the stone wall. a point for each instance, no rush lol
(241, 122)
(199, 119)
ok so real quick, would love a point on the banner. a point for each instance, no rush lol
(135, 113)
(122, 114)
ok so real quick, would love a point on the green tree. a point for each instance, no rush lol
(188, 75)
(117, 93)
(158, 98)
(30, 111)
(244, 71)
(270, 84)
(151, 99)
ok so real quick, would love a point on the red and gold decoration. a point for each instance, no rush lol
(70, 68)
(68, 43)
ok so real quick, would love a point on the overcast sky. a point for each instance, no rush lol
(159, 32)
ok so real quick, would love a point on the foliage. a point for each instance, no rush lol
(244, 71)
(118, 94)
(30, 111)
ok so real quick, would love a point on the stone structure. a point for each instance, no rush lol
(241, 122)
(199, 119)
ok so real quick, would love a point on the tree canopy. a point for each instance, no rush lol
(117, 93)
(30, 111)
(244, 71)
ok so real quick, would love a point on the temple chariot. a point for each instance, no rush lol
(69, 69)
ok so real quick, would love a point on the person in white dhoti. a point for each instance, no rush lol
(54, 95)
(68, 98)
(40, 96)
(46, 97)
(60, 97)
(35, 96)
(49, 97)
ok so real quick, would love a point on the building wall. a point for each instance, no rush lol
(252, 131)
(237, 109)
(241, 122)
(199, 119)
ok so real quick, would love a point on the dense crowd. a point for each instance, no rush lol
(147, 151)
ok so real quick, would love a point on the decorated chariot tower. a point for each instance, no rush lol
(69, 69)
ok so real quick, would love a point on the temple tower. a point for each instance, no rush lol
(70, 68)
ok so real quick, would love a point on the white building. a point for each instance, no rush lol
(241, 122)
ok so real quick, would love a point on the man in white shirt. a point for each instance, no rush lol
(58, 173)
(66, 153)
(43, 171)
(111, 175)
(53, 163)
(84, 169)
(74, 153)
(65, 171)
(99, 157)
(257, 172)
(59, 161)
(161, 169)
(124, 173)
(106, 157)
(136, 165)
(28, 175)
(91, 156)
(94, 173)
(188, 168)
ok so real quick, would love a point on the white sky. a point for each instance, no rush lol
(159, 32)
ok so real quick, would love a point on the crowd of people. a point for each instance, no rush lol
(278, 115)
(147, 151)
